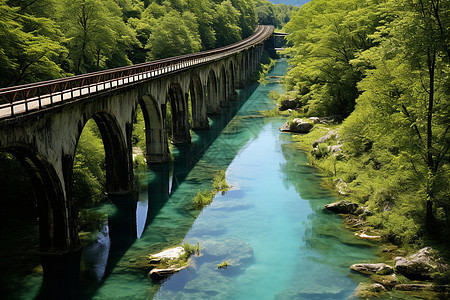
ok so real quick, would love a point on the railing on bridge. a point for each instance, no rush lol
(36, 96)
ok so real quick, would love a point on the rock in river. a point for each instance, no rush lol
(298, 126)
(342, 207)
(380, 269)
(173, 253)
(419, 265)
(167, 262)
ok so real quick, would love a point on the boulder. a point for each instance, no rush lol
(380, 268)
(419, 265)
(285, 127)
(315, 120)
(376, 287)
(329, 135)
(342, 207)
(301, 126)
(298, 126)
(335, 149)
(363, 210)
(385, 280)
(341, 186)
(173, 253)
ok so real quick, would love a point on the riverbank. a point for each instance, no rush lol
(360, 180)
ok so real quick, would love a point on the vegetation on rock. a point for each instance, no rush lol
(206, 196)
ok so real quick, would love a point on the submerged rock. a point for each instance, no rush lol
(369, 291)
(420, 265)
(362, 234)
(380, 268)
(161, 273)
(237, 252)
(342, 207)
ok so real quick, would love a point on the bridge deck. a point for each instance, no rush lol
(33, 97)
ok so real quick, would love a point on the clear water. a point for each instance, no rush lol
(270, 226)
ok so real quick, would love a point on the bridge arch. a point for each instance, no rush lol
(199, 109)
(157, 149)
(180, 115)
(57, 228)
(212, 94)
(119, 173)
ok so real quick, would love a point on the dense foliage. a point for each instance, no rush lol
(385, 65)
(270, 14)
(48, 39)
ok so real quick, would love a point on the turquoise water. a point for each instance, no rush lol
(270, 226)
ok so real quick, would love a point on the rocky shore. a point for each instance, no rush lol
(423, 274)
(414, 273)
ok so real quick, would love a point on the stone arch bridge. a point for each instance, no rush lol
(41, 123)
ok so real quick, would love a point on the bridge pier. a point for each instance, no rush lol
(42, 131)
(61, 274)
(180, 117)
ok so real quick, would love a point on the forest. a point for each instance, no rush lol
(381, 68)
(48, 39)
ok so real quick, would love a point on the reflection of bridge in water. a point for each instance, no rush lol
(40, 124)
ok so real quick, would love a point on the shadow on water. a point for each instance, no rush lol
(163, 181)
(129, 227)
(332, 246)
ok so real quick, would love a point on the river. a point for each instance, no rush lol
(270, 226)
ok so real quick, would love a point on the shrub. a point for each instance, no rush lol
(203, 198)
(223, 265)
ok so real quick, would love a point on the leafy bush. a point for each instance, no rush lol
(203, 198)
(219, 182)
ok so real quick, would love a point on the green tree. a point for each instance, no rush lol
(326, 35)
(96, 34)
(204, 11)
(31, 47)
(247, 17)
(225, 23)
(406, 94)
(174, 34)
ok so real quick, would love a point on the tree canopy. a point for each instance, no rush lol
(383, 66)
(49, 39)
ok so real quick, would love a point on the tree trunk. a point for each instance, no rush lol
(431, 58)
